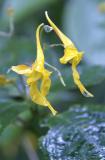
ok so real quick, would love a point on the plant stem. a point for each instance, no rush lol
(58, 72)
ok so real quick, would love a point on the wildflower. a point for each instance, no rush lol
(71, 55)
(36, 74)
(4, 81)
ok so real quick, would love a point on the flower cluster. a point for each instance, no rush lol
(38, 77)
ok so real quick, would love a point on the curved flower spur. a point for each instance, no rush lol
(34, 74)
(71, 55)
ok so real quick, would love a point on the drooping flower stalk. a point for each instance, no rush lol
(71, 55)
(36, 74)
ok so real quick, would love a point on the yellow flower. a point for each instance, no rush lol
(10, 11)
(71, 55)
(101, 7)
(4, 81)
(38, 78)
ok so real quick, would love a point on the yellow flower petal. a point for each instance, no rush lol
(54, 112)
(39, 62)
(22, 69)
(45, 86)
(39, 99)
(4, 80)
(65, 40)
(78, 82)
(76, 60)
(69, 54)
(36, 95)
(35, 76)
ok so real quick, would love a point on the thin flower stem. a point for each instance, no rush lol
(45, 46)
(11, 28)
(56, 45)
(54, 68)
(18, 89)
(24, 86)
(28, 147)
(58, 72)
(11, 25)
(48, 29)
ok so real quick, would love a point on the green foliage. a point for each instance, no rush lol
(73, 131)
(75, 134)
(15, 128)
(19, 50)
(9, 111)
(26, 8)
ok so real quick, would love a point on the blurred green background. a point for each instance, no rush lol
(83, 21)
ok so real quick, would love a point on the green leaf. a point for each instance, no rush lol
(9, 112)
(11, 128)
(76, 134)
(11, 134)
(18, 50)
